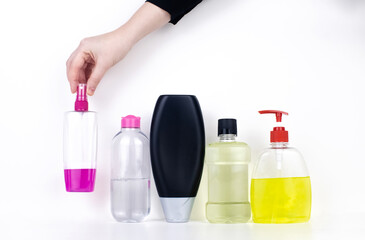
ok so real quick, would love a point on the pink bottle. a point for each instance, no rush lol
(80, 145)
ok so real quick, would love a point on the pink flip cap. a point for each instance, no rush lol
(131, 121)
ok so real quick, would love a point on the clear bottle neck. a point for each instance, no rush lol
(227, 137)
(131, 129)
(279, 144)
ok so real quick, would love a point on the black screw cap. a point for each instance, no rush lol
(227, 126)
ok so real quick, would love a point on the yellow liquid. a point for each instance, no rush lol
(227, 164)
(281, 200)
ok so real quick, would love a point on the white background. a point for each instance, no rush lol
(237, 56)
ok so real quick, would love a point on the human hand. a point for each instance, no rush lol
(94, 56)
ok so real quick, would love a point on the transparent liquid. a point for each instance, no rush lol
(130, 199)
(281, 200)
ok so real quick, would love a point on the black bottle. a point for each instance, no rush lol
(177, 153)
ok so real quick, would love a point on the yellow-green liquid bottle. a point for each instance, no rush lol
(227, 162)
(280, 186)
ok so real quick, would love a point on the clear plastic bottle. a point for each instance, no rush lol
(227, 162)
(130, 173)
(80, 145)
(280, 186)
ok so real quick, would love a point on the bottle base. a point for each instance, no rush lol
(177, 209)
(130, 199)
(228, 212)
(130, 219)
(281, 220)
(80, 180)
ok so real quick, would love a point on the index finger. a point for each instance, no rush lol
(75, 70)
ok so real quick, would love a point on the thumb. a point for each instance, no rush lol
(95, 77)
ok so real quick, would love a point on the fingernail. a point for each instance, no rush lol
(90, 91)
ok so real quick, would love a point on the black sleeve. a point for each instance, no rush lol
(176, 8)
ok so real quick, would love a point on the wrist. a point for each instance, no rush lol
(126, 33)
(146, 20)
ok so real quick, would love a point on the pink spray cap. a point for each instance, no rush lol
(81, 104)
(131, 121)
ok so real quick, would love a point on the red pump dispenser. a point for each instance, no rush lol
(278, 134)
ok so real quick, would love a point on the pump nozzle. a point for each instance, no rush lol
(279, 134)
(276, 112)
(81, 104)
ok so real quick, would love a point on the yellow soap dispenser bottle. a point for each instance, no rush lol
(280, 186)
